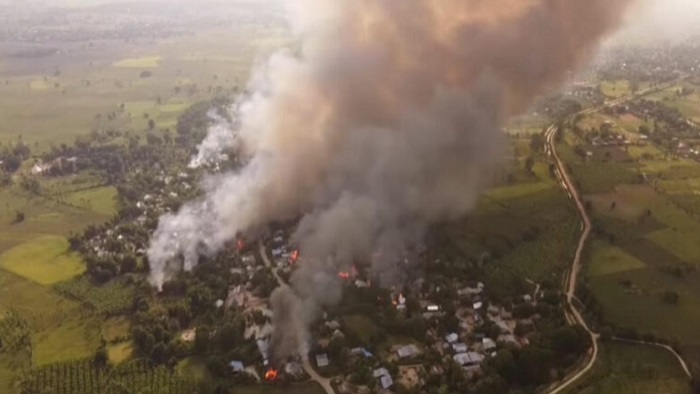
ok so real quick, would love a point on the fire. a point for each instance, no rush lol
(344, 275)
(271, 374)
(240, 244)
(294, 257)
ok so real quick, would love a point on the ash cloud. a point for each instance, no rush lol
(388, 119)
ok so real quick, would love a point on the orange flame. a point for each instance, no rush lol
(344, 275)
(294, 257)
(271, 374)
(240, 245)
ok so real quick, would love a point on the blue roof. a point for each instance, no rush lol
(237, 366)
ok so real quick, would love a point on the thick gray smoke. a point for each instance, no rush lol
(387, 120)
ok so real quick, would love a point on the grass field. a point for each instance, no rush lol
(45, 260)
(73, 340)
(615, 89)
(634, 369)
(102, 200)
(119, 353)
(608, 259)
(139, 62)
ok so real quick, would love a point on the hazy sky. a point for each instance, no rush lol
(659, 20)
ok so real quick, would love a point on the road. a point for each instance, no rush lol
(324, 382)
(573, 315)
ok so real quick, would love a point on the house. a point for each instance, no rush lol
(379, 372)
(433, 308)
(471, 358)
(527, 298)
(478, 305)
(236, 366)
(386, 381)
(333, 324)
(361, 284)
(361, 351)
(452, 338)
(407, 351)
(322, 360)
(494, 310)
(459, 347)
(488, 344)
(188, 335)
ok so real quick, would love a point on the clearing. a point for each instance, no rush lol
(44, 260)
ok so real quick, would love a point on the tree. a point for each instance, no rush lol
(537, 143)
(19, 217)
(671, 297)
(12, 163)
(100, 359)
(151, 124)
(529, 164)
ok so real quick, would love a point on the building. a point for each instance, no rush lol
(322, 360)
(386, 381)
(236, 366)
(452, 338)
(468, 359)
(407, 351)
(360, 351)
(460, 347)
(488, 344)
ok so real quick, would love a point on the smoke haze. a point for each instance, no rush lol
(388, 119)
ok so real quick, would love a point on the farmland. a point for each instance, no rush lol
(632, 369)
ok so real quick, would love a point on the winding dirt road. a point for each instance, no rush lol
(573, 315)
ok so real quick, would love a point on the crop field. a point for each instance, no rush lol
(74, 339)
(611, 260)
(108, 299)
(634, 369)
(615, 89)
(101, 200)
(51, 108)
(45, 260)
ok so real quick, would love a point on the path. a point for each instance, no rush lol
(308, 368)
(573, 315)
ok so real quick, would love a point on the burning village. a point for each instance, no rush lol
(347, 197)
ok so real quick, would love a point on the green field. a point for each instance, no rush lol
(73, 340)
(607, 260)
(139, 62)
(615, 89)
(634, 369)
(101, 200)
(45, 260)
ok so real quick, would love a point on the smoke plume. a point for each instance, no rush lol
(386, 120)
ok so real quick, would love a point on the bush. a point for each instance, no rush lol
(671, 297)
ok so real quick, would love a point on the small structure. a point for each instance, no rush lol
(386, 381)
(452, 338)
(488, 344)
(379, 372)
(478, 305)
(360, 351)
(188, 335)
(433, 308)
(407, 351)
(467, 359)
(460, 347)
(322, 360)
(236, 366)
